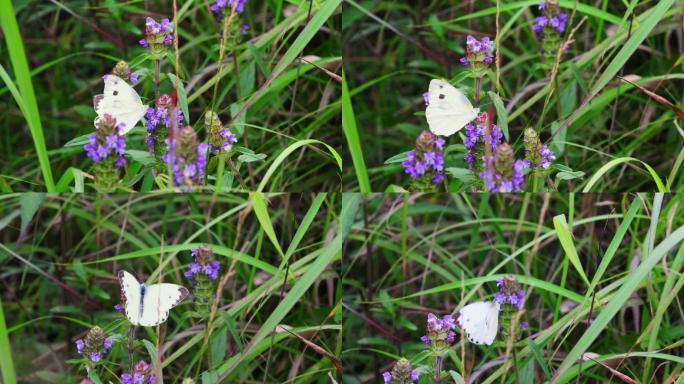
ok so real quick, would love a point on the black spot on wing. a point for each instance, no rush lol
(115, 93)
(441, 96)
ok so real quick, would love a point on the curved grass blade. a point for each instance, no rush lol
(15, 46)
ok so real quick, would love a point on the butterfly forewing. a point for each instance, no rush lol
(158, 301)
(121, 101)
(480, 321)
(131, 291)
(449, 109)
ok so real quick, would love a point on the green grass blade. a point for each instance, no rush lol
(304, 226)
(615, 162)
(290, 300)
(628, 49)
(15, 46)
(285, 153)
(352, 134)
(614, 244)
(617, 302)
(565, 238)
(261, 212)
(6, 364)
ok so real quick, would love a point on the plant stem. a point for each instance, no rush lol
(219, 171)
(157, 66)
(438, 369)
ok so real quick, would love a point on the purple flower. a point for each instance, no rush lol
(542, 21)
(244, 28)
(80, 344)
(427, 158)
(95, 356)
(133, 78)
(524, 325)
(387, 377)
(415, 375)
(547, 156)
(464, 60)
(107, 343)
(157, 34)
(237, 5)
(119, 308)
(501, 298)
(426, 98)
(425, 339)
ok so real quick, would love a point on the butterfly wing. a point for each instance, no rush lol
(449, 109)
(480, 321)
(121, 101)
(158, 300)
(491, 323)
(131, 291)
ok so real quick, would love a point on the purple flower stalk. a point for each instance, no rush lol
(440, 333)
(476, 132)
(220, 137)
(157, 36)
(142, 374)
(122, 70)
(186, 158)
(221, 5)
(158, 121)
(479, 55)
(203, 263)
(426, 161)
(509, 292)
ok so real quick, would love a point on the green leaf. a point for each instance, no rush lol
(352, 135)
(6, 364)
(29, 103)
(600, 174)
(565, 238)
(218, 346)
(245, 158)
(617, 301)
(261, 212)
(182, 96)
(501, 114)
(142, 157)
(29, 202)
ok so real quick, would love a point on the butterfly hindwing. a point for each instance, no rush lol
(449, 109)
(131, 291)
(158, 301)
(480, 321)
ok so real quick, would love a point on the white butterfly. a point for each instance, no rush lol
(120, 101)
(480, 321)
(149, 306)
(449, 109)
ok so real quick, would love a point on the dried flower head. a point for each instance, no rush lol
(402, 373)
(95, 345)
(220, 137)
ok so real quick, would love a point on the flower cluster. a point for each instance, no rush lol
(401, 373)
(186, 157)
(551, 18)
(157, 36)
(203, 264)
(142, 374)
(236, 5)
(440, 333)
(119, 308)
(106, 147)
(107, 142)
(510, 297)
(203, 272)
(158, 122)
(95, 344)
(479, 54)
(550, 27)
(539, 155)
(509, 292)
(220, 137)
(476, 137)
(503, 173)
(425, 164)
